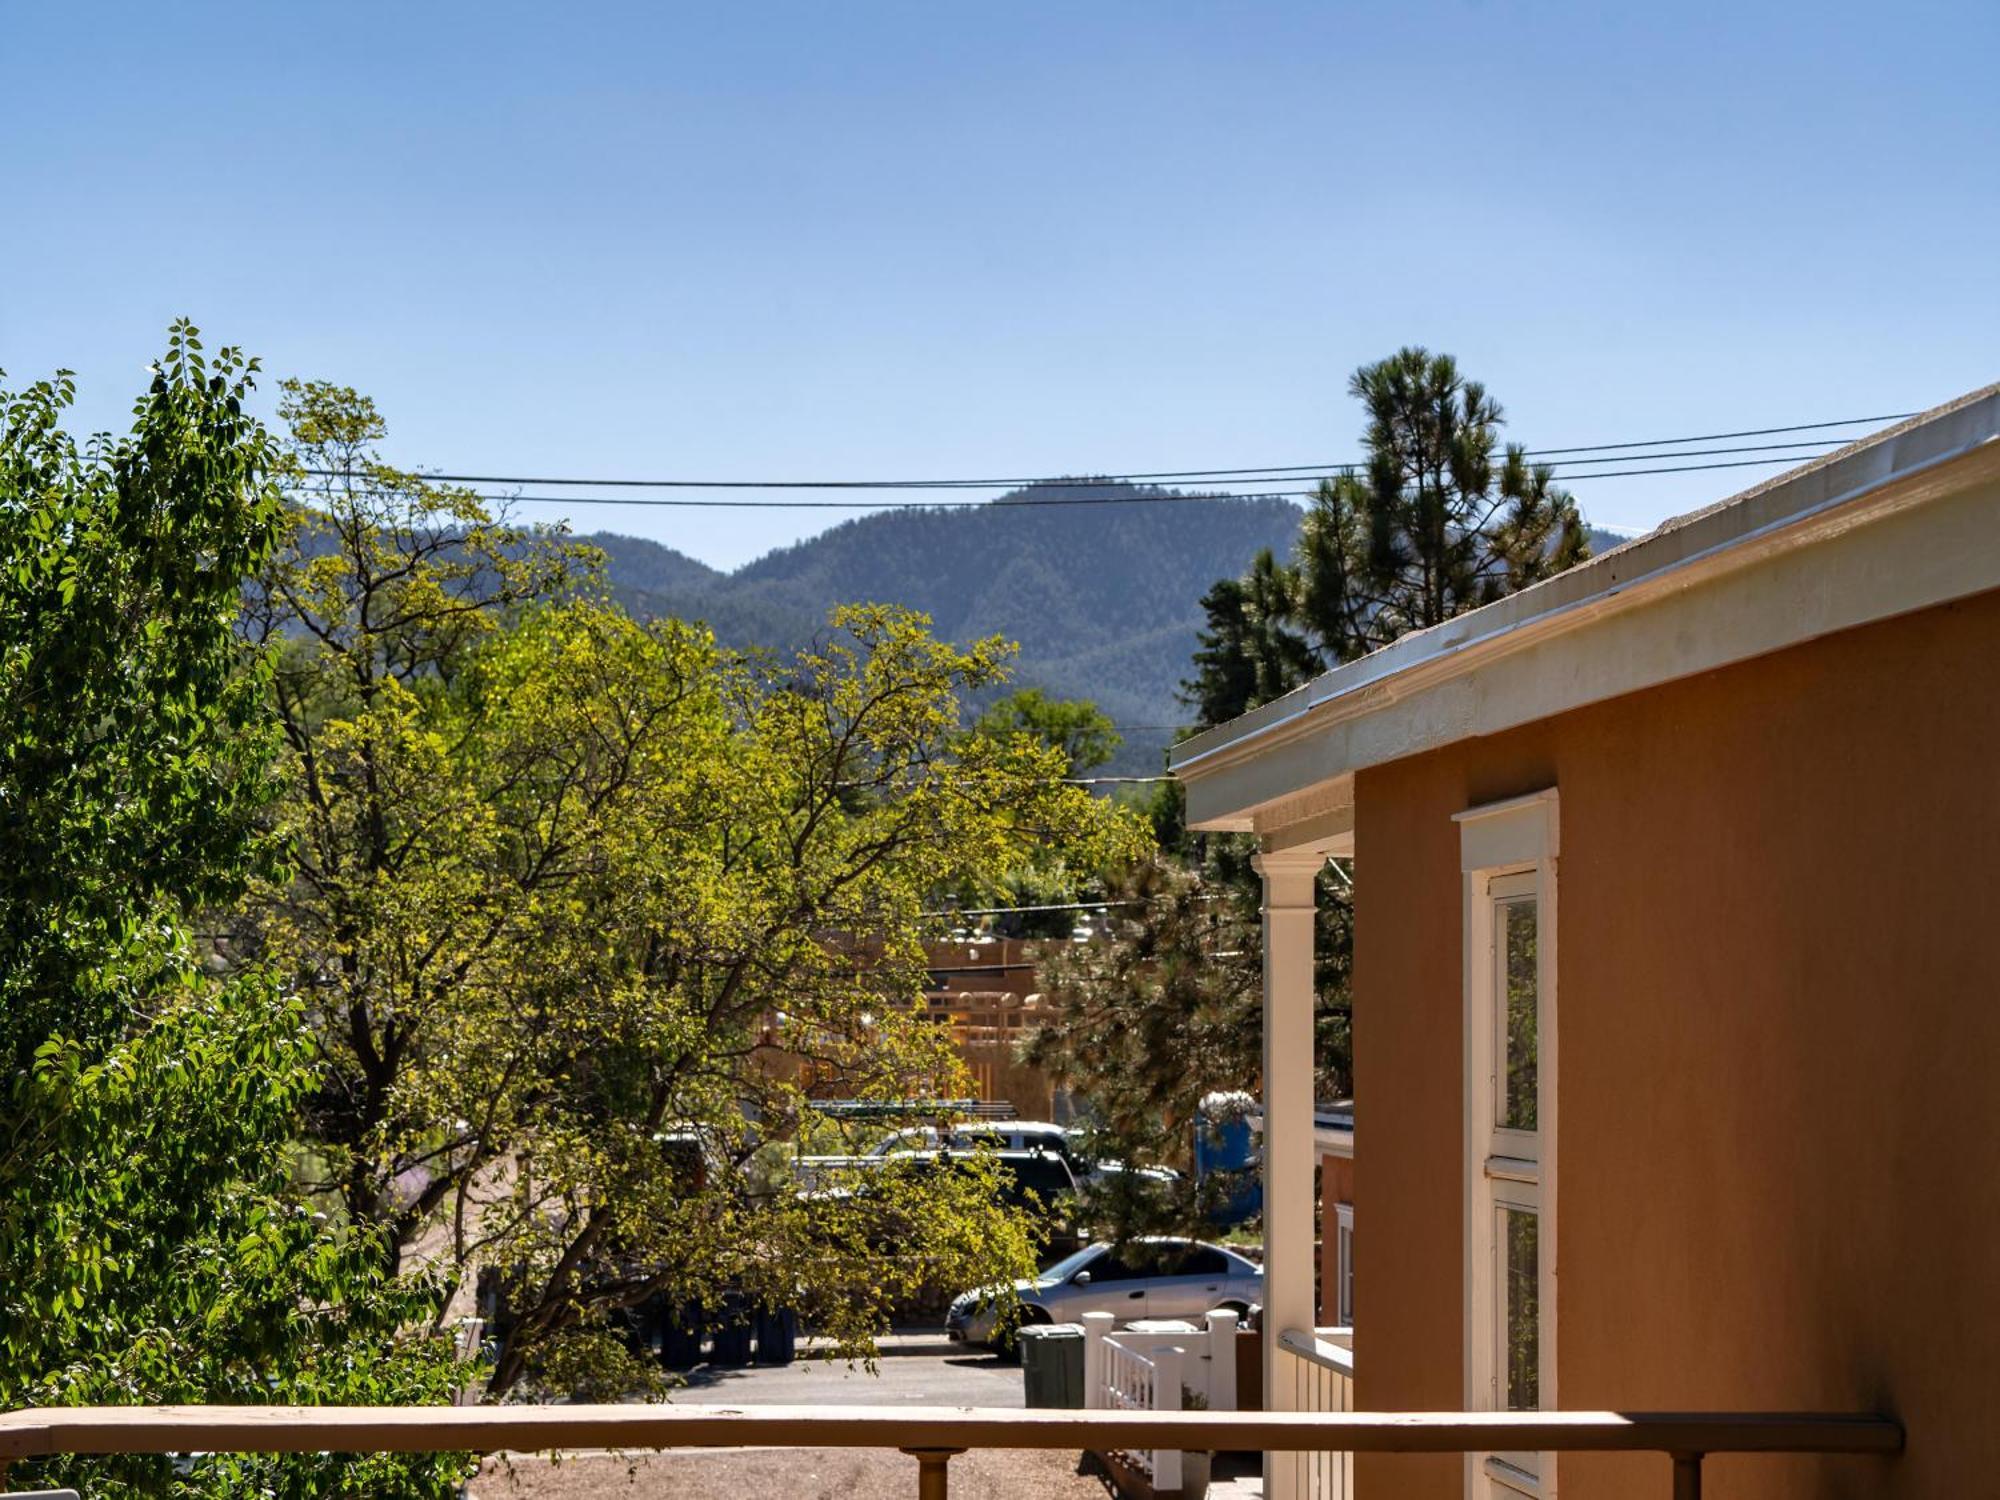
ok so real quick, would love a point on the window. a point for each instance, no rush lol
(1045, 1176)
(1343, 1265)
(1111, 1267)
(1199, 1260)
(1508, 856)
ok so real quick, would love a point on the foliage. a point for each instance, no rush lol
(1102, 599)
(1085, 735)
(1248, 654)
(1435, 525)
(163, 1255)
(590, 911)
(151, 1246)
(1164, 1009)
(131, 762)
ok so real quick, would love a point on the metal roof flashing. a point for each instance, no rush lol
(1825, 498)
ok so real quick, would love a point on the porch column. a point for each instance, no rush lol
(1288, 1126)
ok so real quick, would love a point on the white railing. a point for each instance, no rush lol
(1156, 1367)
(1138, 1382)
(1319, 1367)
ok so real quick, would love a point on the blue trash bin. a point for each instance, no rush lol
(1226, 1150)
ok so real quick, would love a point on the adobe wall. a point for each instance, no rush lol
(1779, 1026)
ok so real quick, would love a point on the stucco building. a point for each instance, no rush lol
(1677, 1013)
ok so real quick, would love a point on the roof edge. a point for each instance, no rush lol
(1757, 515)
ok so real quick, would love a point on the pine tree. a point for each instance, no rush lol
(1441, 520)
(1248, 655)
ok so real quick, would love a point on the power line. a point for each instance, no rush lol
(657, 502)
(1715, 437)
(1628, 458)
(1256, 474)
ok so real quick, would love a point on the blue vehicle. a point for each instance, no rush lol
(1228, 1146)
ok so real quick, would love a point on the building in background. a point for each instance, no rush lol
(984, 990)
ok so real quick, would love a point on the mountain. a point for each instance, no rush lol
(1603, 541)
(1103, 599)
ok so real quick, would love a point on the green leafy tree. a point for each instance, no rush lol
(152, 1246)
(1440, 520)
(1077, 727)
(591, 913)
(1038, 896)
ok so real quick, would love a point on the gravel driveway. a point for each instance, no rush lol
(786, 1474)
(915, 1368)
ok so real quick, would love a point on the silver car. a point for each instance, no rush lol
(1148, 1278)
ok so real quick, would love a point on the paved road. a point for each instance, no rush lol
(914, 1368)
(917, 1368)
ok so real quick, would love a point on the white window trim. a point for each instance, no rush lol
(1502, 841)
(1343, 1264)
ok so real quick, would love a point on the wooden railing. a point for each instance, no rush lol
(1320, 1366)
(931, 1435)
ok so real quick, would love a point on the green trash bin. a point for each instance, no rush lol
(1052, 1365)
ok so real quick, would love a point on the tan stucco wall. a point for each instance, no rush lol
(1779, 1027)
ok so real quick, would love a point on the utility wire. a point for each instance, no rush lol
(655, 501)
(1716, 437)
(1255, 472)
(1223, 475)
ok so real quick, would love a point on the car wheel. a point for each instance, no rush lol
(1242, 1312)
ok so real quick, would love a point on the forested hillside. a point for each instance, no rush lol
(1103, 599)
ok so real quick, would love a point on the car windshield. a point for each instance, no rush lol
(1069, 1265)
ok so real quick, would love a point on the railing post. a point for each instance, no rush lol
(1222, 1361)
(1167, 1397)
(933, 1478)
(1687, 1476)
(1095, 1326)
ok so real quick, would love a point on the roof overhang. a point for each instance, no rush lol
(1906, 519)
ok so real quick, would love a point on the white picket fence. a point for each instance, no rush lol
(1156, 1367)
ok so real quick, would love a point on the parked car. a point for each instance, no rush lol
(1001, 1135)
(1157, 1277)
(1038, 1184)
(1020, 1135)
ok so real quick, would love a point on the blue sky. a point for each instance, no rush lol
(872, 239)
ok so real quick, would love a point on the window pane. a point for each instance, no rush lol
(1520, 1287)
(1518, 951)
(1112, 1267)
(1344, 1256)
(1200, 1261)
